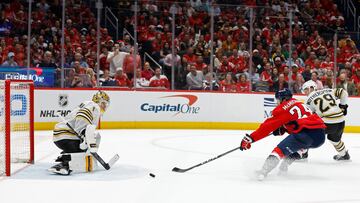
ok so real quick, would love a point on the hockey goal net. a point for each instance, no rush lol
(16, 125)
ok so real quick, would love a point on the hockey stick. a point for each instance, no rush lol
(108, 165)
(179, 170)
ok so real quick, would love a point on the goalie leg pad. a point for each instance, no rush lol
(82, 162)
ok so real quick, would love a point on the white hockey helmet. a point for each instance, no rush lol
(308, 85)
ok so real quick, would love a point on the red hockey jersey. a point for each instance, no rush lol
(291, 114)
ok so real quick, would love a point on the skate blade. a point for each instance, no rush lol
(302, 160)
(259, 176)
(60, 172)
(282, 173)
(343, 161)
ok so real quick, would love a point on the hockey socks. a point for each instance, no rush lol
(270, 163)
(340, 147)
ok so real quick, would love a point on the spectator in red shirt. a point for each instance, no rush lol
(121, 78)
(148, 72)
(129, 63)
(228, 84)
(69, 28)
(327, 64)
(238, 61)
(356, 78)
(267, 74)
(159, 80)
(104, 64)
(356, 63)
(294, 71)
(226, 66)
(200, 65)
(311, 60)
(189, 57)
(243, 84)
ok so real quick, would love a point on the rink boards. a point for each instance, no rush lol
(168, 109)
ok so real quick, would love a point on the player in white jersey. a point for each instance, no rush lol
(77, 137)
(331, 106)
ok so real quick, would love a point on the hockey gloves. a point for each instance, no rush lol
(246, 142)
(343, 107)
(280, 131)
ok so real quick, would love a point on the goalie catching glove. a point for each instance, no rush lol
(246, 142)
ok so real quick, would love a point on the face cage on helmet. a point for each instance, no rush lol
(103, 101)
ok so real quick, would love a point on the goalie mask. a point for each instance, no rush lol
(102, 99)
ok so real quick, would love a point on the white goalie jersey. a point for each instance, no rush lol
(87, 113)
(325, 103)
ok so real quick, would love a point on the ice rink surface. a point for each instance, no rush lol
(228, 179)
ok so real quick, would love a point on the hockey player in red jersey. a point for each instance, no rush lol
(306, 130)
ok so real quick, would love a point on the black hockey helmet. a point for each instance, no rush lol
(284, 94)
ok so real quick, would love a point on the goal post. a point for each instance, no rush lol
(16, 124)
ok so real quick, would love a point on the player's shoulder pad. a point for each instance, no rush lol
(92, 106)
(313, 95)
(338, 92)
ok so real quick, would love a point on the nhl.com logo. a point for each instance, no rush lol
(169, 105)
(63, 100)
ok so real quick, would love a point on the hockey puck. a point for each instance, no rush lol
(152, 175)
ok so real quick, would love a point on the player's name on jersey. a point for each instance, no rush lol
(289, 104)
(317, 93)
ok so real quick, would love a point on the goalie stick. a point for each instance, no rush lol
(179, 170)
(108, 165)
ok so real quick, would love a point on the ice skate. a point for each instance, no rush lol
(302, 156)
(61, 169)
(346, 157)
(261, 175)
(283, 168)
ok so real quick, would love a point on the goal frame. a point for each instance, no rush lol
(7, 114)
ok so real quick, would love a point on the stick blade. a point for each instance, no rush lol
(179, 170)
(113, 160)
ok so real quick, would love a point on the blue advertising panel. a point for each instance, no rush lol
(42, 77)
